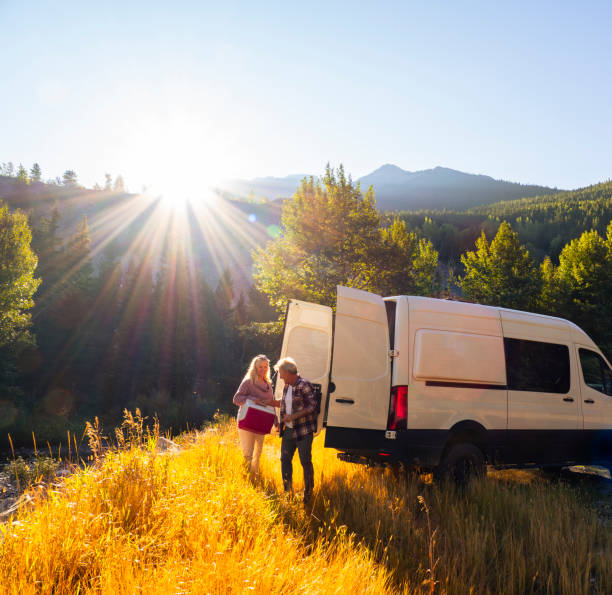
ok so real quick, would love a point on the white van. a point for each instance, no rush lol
(450, 385)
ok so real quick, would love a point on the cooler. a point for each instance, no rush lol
(255, 418)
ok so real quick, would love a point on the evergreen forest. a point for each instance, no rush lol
(112, 300)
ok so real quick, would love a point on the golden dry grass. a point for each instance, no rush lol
(191, 522)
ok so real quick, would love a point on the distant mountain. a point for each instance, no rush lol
(268, 187)
(399, 190)
(442, 188)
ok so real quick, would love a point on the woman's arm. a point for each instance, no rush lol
(243, 393)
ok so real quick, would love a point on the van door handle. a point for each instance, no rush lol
(589, 401)
(348, 401)
(568, 400)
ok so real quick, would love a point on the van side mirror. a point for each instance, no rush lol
(331, 388)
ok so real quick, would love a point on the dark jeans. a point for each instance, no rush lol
(304, 447)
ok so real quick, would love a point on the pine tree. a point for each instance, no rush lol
(554, 298)
(400, 263)
(78, 256)
(69, 178)
(22, 175)
(501, 273)
(35, 173)
(585, 270)
(48, 246)
(329, 233)
(333, 235)
(17, 281)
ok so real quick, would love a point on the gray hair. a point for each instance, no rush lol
(288, 364)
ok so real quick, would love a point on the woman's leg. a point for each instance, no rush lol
(258, 443)
(247, 442)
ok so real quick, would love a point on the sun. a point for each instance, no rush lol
(176, 158)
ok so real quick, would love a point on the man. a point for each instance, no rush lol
(298, 423)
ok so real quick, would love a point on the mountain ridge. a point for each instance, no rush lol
(399, 189)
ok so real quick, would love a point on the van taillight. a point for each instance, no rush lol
(398, 413)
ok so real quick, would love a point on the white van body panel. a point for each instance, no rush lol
(529, 410)
(361, 362)
(461, 317)
(436, 397)
(461, 357)
(308, 340)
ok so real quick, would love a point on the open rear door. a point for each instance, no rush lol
(361, 362)
(308, 340)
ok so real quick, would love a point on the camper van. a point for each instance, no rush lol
(452, 386)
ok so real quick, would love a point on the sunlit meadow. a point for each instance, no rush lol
(189, 520)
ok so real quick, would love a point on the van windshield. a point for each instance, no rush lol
(595, 371)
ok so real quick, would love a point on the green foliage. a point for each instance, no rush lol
(585, 283)
(400, 263)
(17, 282)
(332, 235)
(544, 223)
(326, 230)
(554, 297)
(501, 273)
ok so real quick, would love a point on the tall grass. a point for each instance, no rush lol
(191, 522)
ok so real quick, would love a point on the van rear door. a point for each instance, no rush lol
(361, 367)
(308, 340)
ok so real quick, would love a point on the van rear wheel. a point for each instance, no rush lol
(462, 463)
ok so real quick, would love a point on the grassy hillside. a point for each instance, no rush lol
(189, 521)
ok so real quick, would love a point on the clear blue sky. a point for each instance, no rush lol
(206, 90)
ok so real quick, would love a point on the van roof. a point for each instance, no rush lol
(450, 306)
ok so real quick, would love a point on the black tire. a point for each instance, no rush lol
(462, 463)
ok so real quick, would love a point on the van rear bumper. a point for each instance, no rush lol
(501, 447)
(414, 447)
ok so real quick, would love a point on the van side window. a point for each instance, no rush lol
(391, 306)
(595, 371)
(537, 366)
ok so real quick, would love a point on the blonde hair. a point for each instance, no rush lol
(252, 372)
(288, 364)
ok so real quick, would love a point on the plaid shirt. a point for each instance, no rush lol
(303, 398)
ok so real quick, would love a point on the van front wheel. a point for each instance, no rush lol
(462, 463)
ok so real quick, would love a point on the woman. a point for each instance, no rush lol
(256, 386)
